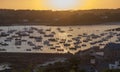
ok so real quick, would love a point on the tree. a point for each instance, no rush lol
(113, 70)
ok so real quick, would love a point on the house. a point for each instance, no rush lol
(115, 66)
(112, 51)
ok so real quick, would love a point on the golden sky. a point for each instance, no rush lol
(63, 4)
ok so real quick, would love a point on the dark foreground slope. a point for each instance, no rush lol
(48, 17)
(87, 60)
(30, 58)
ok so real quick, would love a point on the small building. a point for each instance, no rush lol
(112, 51)
(115, 66)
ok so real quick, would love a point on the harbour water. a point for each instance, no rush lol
(56, 39)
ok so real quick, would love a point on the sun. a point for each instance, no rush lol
(63, 4)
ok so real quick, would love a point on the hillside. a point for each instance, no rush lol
(48, 17)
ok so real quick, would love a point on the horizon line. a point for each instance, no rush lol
(59, 10)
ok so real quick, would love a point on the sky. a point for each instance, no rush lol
(59, 4)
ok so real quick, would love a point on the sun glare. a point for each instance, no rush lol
(63, 4)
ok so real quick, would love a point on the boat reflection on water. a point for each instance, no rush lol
(54, 39)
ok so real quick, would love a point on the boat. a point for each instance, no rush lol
(77, 46)
(50, 45)
(50, 35)
(46, 42)
(48, 29)
(30, 43)
(28, 49)
(4, 44)
(69, 35)
(2, 49)
(52, 48)
(66, 45)
(37, 47)
(72, 48)
(38, 39)
(18, 42)
(57, 46)
(4, 34)
(60, 49)
(52, 40)
(84, 45)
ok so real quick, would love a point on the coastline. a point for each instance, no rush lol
(48, 24)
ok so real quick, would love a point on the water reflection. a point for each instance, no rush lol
(53, 39)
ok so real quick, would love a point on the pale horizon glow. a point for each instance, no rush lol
(59, 4)
(63, 4)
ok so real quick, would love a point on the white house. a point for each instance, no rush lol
(115, 66)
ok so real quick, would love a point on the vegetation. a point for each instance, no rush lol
(71, 65)
(113, 70)
(48, 17)
(22, 68)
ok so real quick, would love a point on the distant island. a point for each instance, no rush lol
(58, 18)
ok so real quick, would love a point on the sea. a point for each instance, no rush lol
(56, 39)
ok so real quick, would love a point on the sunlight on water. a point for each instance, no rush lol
(54, 39)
